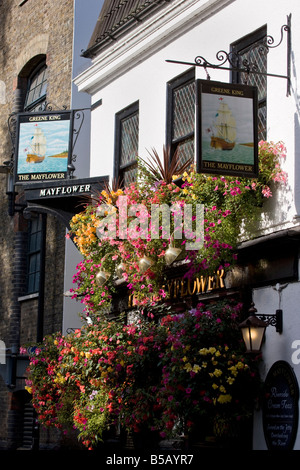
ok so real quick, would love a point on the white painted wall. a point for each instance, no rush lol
(135, 68)
(284, 346)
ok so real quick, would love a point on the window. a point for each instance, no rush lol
(248, 49)
(126, 145)
(37, 88)
(181, 115)
(34, 253)
(35, 98)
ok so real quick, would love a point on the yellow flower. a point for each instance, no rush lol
(217, 372)
(214, 386)
(29, 389)
(233, 370)
(224, 398)
(196, 368)
(222, 389)
(188, 367)
(59, 379)
(203, 351)
(230, 380)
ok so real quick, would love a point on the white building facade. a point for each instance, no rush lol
(130, 76)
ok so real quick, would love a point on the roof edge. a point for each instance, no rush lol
(121, 28)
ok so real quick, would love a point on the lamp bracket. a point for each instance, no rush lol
(272, 319)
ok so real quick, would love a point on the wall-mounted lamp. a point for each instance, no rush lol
(254, 327)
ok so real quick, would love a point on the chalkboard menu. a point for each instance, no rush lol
(280, 407)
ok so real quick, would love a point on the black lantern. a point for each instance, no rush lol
(254, 327)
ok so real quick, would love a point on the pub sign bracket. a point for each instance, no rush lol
(68, 126)
(233, 61)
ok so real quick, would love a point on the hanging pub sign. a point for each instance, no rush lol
(226, 129)
(280, 407)
(43, 146)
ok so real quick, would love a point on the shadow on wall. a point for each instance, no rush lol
(294, 93)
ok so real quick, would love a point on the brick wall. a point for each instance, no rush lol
(38, 28)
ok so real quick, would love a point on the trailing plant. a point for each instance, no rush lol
(162, 376)
(228, 204)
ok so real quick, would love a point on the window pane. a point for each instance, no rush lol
(32, 264)
(129, 139)
(32, 242)
(261, 122)
(31, 283)
(34, 254)
(186, 150)
(251, 50)
(183, 110)
(129, 176)
(258, 56)
(37, 88)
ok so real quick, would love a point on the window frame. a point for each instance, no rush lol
(40, 68)
(185, 78)
(122, 115)
(243, 44)
(36, 252)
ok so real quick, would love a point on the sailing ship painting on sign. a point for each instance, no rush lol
(226, 137)
(43, 143)
(223, 129)
(37, 146)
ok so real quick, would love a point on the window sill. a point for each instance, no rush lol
(28, 297)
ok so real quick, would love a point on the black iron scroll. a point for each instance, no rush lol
(231, 60)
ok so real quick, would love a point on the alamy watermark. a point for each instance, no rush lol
(136, 221)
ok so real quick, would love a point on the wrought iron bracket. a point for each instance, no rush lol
(272, 319)
(77, 120)
(232, 60)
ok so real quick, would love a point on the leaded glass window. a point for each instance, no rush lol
(34, 254)
(181, 115)
(126, 147)
(249, 49)
(37, 89)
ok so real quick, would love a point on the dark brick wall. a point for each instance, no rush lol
(38, 28)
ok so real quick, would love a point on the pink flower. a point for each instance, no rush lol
(266, 192)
